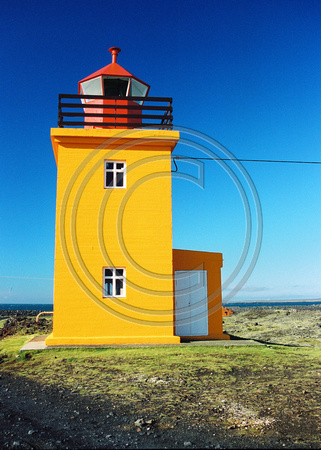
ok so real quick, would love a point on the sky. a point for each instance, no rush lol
(245, 78)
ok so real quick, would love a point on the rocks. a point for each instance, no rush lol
(25, 325)
(5, 313)
(139, 422)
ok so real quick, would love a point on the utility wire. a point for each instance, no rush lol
(245, 160)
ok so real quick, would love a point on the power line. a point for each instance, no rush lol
(25, 278)
(245, 160)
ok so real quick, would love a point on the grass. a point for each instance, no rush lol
(9, 347)
(122, 369)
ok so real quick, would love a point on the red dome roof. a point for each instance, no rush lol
(113, 69)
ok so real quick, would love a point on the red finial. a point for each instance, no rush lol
(114, 52)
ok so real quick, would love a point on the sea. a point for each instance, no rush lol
(271, 303)
(26, 306)
(247, 304)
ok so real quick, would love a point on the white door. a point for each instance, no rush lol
(191, 311)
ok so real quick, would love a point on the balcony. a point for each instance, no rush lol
(98, 111)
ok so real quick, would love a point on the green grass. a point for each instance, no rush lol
(10, 346)
(171, 363)
(2, 321)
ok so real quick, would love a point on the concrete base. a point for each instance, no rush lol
(38, 343)
(111, 340)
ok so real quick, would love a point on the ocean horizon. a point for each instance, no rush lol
(26, 306)
(250, 303)
(231, 304)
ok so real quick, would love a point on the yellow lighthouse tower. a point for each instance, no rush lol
(115, 269)
(113, 279)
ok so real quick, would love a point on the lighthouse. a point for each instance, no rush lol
(117, 278)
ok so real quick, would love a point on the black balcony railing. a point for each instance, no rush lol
(88, 110)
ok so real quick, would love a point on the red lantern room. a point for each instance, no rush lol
(113, 81)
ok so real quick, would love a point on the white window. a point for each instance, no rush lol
(114, 282)
(115, 174)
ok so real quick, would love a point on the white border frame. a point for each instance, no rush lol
(115, 277)
(115, 171)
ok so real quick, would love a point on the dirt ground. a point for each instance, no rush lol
(280, 408)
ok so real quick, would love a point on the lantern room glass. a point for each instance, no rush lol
(137, 89)
(116, 86)
(92, 87)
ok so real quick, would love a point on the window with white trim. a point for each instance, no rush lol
(115, 174)
(114, 282)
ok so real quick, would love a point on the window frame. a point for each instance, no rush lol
(128, 79)
(114, 171)
(114, 277)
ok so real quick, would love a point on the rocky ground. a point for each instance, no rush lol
(281, 411)
(57, 418)
(283, 325)
(22, 323)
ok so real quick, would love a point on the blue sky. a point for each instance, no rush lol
(244, 73)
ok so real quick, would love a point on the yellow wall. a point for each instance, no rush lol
(97, 227)
(212, 263)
